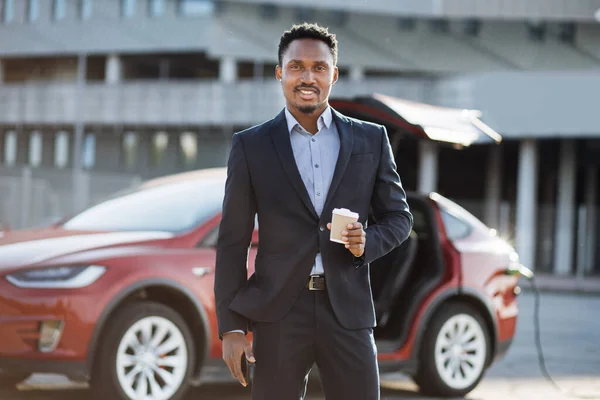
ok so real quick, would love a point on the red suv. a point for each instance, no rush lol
(121, 294)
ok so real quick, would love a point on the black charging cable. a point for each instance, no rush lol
(537, 333)
(518, 269)
(527, 274)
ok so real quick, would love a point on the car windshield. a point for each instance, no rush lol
(175, 207)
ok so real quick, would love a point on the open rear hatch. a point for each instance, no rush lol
(454, 126)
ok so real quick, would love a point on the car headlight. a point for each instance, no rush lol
(67, 277)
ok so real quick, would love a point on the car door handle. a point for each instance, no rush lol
(200, 271)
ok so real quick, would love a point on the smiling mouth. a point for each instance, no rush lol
(307, 93)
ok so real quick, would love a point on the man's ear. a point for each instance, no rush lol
(336, 74)
(278, 73)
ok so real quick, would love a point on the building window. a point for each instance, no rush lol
(304, 14)
(337, 17)
(196, 7)
(35, 149)
(130, 149)
(128, 8)
(268, 11)
(85, 9)
(59, 9)
(8, 11)
(406, 24)
(61, 149)
(160, 142)
(440, 26)
(567, 32)
(33, 10)
(537, 30)
(188, 142)
(88, 157)
(157, 8)
(10, 148)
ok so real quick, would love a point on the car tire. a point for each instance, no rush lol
(9, 381)
(147, 348)
(454, 353)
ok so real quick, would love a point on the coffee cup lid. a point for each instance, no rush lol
(345, 212)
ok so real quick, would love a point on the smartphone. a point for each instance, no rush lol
(247, 369)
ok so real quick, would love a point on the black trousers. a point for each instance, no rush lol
(310, 334)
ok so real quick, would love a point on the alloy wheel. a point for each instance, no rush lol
(152, 359)
(460, 351)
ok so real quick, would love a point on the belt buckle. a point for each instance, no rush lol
(311, 282)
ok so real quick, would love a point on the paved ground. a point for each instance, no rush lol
(571, 343)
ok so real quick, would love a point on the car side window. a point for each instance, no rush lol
(456, 228)
(210, 240)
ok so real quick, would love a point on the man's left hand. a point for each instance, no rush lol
(354, 238)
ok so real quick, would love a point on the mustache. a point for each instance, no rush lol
(300, 87)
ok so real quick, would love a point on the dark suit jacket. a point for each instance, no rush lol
(263, 179)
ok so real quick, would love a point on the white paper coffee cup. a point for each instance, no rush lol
(340, 218)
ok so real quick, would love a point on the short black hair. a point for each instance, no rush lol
(308, 31)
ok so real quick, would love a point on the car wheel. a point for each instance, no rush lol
(9, 381)
(454, 352)
(147, 353)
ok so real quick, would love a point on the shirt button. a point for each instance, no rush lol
(314, 140)
(321, 228)
(316, 165)
(318, 193)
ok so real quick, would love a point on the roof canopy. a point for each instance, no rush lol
(443, 124)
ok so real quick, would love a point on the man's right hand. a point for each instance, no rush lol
(235, 345)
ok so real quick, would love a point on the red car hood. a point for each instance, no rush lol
(24, 248)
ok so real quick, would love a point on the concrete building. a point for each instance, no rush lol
(98, 94)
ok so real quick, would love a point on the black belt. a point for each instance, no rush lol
(316, 282)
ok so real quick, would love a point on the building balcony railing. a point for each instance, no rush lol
(492, 9)
(206, 103)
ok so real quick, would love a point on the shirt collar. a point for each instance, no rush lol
(324, 120)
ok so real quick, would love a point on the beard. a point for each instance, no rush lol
(308, 109)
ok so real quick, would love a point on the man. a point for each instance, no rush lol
(309, 300)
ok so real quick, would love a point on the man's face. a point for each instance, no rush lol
(306, 75)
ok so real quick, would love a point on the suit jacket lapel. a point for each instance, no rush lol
(283, 145)
(345, 130)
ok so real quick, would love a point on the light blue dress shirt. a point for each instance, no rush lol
(316, 156)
